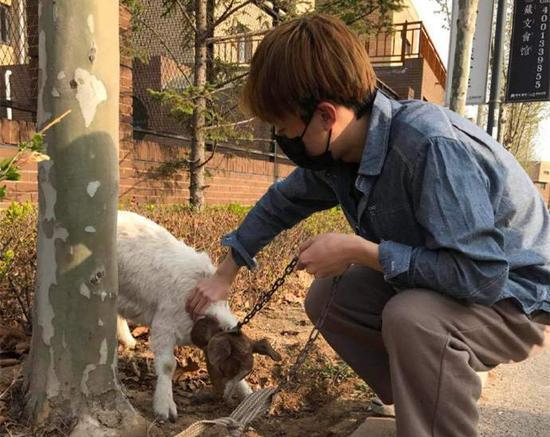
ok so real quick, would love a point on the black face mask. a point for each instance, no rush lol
(295, 150)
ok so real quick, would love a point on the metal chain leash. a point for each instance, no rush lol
(259, 402)
(315, 331)
(266, 297)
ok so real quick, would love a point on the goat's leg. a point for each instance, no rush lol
(123, 333)
(236, 387)
(242, 389)
(162, 344)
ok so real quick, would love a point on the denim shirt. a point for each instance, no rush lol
(452, 210)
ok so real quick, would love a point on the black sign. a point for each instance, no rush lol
(529, 68)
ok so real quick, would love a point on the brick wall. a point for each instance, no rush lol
(539, 172)
(232, 177)
(544, 190)
(12, 132)
(431, 90)
(413, 80)
(405, 80)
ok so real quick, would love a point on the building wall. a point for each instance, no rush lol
(431, 89)
(250, 16)
(412, 77)
(544, 190)
(8, 55)
(413, 80)
(12, 132)
(232, 177)
(408, 13)
(539, 172)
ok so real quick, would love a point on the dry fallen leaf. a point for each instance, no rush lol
(140, 330)
(289, 333)
(190, 366)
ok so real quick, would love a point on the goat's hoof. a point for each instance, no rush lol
(129, 344)
(166, 410)
(236, 393)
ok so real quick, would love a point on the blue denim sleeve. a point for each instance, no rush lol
(286, 203)
(463, 255)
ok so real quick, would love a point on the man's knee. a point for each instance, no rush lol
(406, 312)
(316, 298)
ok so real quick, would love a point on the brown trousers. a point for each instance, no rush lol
(420, 349)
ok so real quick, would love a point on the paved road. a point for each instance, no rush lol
(516, 399)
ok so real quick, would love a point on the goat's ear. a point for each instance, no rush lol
(219, 350)
(203, 330)
(263, 347)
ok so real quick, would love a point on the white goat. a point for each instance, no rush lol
(156, 275)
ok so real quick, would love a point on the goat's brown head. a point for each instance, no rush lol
(229, 355)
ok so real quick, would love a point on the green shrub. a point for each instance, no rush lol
(201, 230)
(17, 263)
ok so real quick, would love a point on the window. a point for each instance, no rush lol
(4, 24)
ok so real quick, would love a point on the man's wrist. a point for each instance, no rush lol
(228, 268)
(365, 253)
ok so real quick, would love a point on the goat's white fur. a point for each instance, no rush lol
(156, 274)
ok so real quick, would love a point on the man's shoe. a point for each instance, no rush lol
(378, 408)
(376, 427)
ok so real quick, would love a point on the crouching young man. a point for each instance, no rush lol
(448, 272)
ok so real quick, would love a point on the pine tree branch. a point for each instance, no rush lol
(221, 126)
(186, 15)
(228, 12)
(223, 86)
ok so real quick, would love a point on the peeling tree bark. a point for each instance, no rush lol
(71, 372)
(465, 28)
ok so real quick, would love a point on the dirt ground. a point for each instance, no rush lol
(328, 399)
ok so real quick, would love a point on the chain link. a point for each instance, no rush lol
(266, 297)
(313, 335)
(302, 355)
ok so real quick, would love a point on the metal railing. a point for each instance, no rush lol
(16, 78)
(237, 49)
(402, 41)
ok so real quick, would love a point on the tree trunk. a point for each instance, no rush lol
(210, 64)
(196, 186)
(502, 114)
(466, 24)
(71, 373)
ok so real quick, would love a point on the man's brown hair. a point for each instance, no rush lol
(303, 62)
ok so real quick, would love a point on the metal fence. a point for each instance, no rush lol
(16, 75)
(162, 45)
(162, 49)
(403, 41)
